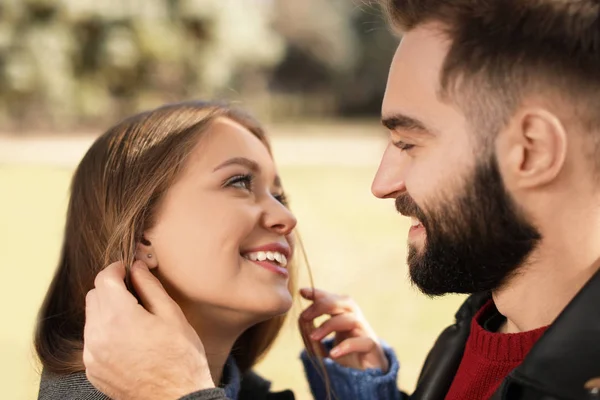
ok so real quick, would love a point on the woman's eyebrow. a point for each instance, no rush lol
(252, 165)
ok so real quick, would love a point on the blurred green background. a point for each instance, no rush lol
(314, 71)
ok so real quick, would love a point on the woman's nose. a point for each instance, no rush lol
(278, 218)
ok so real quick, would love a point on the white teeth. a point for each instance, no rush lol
(415, 222)
(267, 255)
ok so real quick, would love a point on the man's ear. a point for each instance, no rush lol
(533, 148)
(145, 252)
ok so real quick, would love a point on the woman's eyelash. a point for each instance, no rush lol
(243, 181)
(282, 198)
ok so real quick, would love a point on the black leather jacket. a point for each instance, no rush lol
(557, 368)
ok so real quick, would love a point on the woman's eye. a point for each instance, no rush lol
(281, 198)
(241, 182)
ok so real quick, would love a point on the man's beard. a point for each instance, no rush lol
(474, 242)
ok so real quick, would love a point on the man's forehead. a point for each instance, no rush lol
(421, 50)
(415, 71)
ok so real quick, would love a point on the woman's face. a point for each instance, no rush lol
(222, 237)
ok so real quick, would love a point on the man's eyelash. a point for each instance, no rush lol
(403, 146)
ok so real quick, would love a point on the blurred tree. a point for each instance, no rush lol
(361, 91)
(67, 62)
(70, 62)
(338, 48)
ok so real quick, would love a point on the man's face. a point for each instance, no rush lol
(467, 233)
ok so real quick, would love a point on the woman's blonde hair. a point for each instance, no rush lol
(115, 193)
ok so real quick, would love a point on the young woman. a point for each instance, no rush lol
(192, 190)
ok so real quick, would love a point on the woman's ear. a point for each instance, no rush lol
(144, 252)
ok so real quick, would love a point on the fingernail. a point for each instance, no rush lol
(315, 335)
(335, 352)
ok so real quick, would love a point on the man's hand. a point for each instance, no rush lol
(356, 344)
(144, 352)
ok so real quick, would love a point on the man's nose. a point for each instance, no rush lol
(389, 180)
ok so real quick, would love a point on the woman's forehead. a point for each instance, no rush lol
(226, 139)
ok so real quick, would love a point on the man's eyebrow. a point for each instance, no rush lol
(401, 121)
(252, 165)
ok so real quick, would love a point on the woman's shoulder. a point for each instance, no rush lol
(254, 387)
(77, 387)
(68, 387)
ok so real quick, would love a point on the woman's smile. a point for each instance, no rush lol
(273, 257)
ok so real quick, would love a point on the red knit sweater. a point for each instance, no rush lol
(488, 358)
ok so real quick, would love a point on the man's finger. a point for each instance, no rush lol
(91, 301)
(153, 295)
(114, 274)
(111, 291)
(92, 312)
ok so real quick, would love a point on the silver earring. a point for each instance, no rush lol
(149, 255)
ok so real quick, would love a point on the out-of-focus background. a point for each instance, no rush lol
(313, 71)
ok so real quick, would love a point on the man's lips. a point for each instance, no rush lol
(414, 222)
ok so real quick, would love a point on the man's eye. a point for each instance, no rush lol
(240, 182)
(403, 146)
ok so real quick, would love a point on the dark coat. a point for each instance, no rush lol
(557, 368)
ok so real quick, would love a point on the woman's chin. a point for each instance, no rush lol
(274, 308)
(270, 308)
(246, 310)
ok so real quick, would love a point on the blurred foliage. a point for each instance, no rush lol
(67, 63)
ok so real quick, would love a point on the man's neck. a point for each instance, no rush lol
(556, 271)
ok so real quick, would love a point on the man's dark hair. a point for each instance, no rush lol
(504, 51)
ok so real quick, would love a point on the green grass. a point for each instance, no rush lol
(355, 244)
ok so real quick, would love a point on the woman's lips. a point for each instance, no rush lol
(273, 257)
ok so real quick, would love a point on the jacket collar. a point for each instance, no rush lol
(568, 355)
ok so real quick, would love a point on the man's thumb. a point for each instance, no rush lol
(151, 292)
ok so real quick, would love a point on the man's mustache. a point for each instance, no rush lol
(408, 207)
